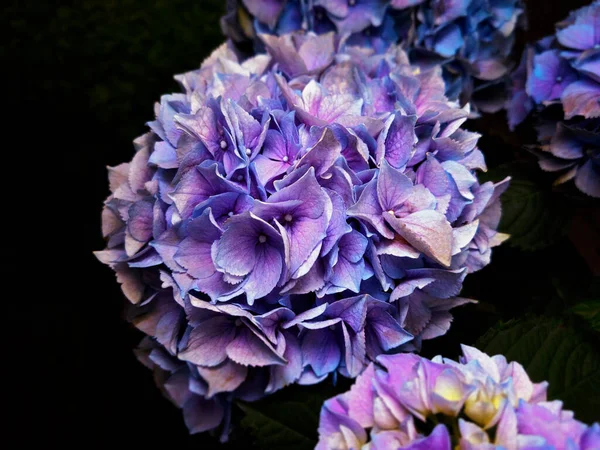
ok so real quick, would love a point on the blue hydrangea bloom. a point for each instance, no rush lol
(471, 39)
(558, 82)
(294, 215)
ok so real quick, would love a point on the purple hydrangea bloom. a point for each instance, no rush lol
(558, 82)
(295, 215)
(481, 403)
(471, 39)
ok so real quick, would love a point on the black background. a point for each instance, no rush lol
(82, 80)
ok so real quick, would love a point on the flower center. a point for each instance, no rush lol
(262, 239)
(248, 152)
(285, 158)
(230, 213)
(223, 144)
(288, 217)
(558, 79)
(240, 178)
(391, 212)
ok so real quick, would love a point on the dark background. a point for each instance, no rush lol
(82, 80)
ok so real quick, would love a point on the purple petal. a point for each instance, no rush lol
(448, 10)
(415, 312)
(222, 207)
(439, 439)
(591, 438)
(396, 142)
(317, 52)
(323, 154)
(520, 105)
(361, 14)
(564, 144)
(393, 187)
(352, 311)
(463, 178)
(131, 283)
(589, 64)
(506, 434)
(320, 351)
(406, 288)
(341, 180)
(164, 156)
(283, 375)
(550, 76)
(582, 98)
(354, 352)
(177, 385)
(448, 40)
(352, 246)
(139, 171)
(283, 51)
(242, 239)
(207, 342)
(587, 179)
(401, 4)
(368, 209)
(490, 69)
(196, 258)
(266, 11)
(305, 224)
(198, 185)
(202, 415)
(343, 109)
(360, 398)
(578, 36)
(337, 225)
(249, 133)
(383, 332)
(269, 169)
(334, 418)
(141, 215)
(346, 275)
(248, 349)
(540, 421)
(428, 232)
(265, 274)
(225, 377)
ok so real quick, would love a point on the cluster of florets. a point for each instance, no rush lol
(470, 39)
(297, 214)
(481, 403)
(558, 81)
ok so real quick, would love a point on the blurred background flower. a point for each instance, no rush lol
(471, 39)
(558, 82)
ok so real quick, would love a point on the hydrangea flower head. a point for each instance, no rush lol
(296, 214)
(480, 403)
(471, 39)
(558, 81)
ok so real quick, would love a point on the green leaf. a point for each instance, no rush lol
(289, 419)
(532, 213)
(553, 351)
(281, 428)
(583, 296)
(590, 312)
